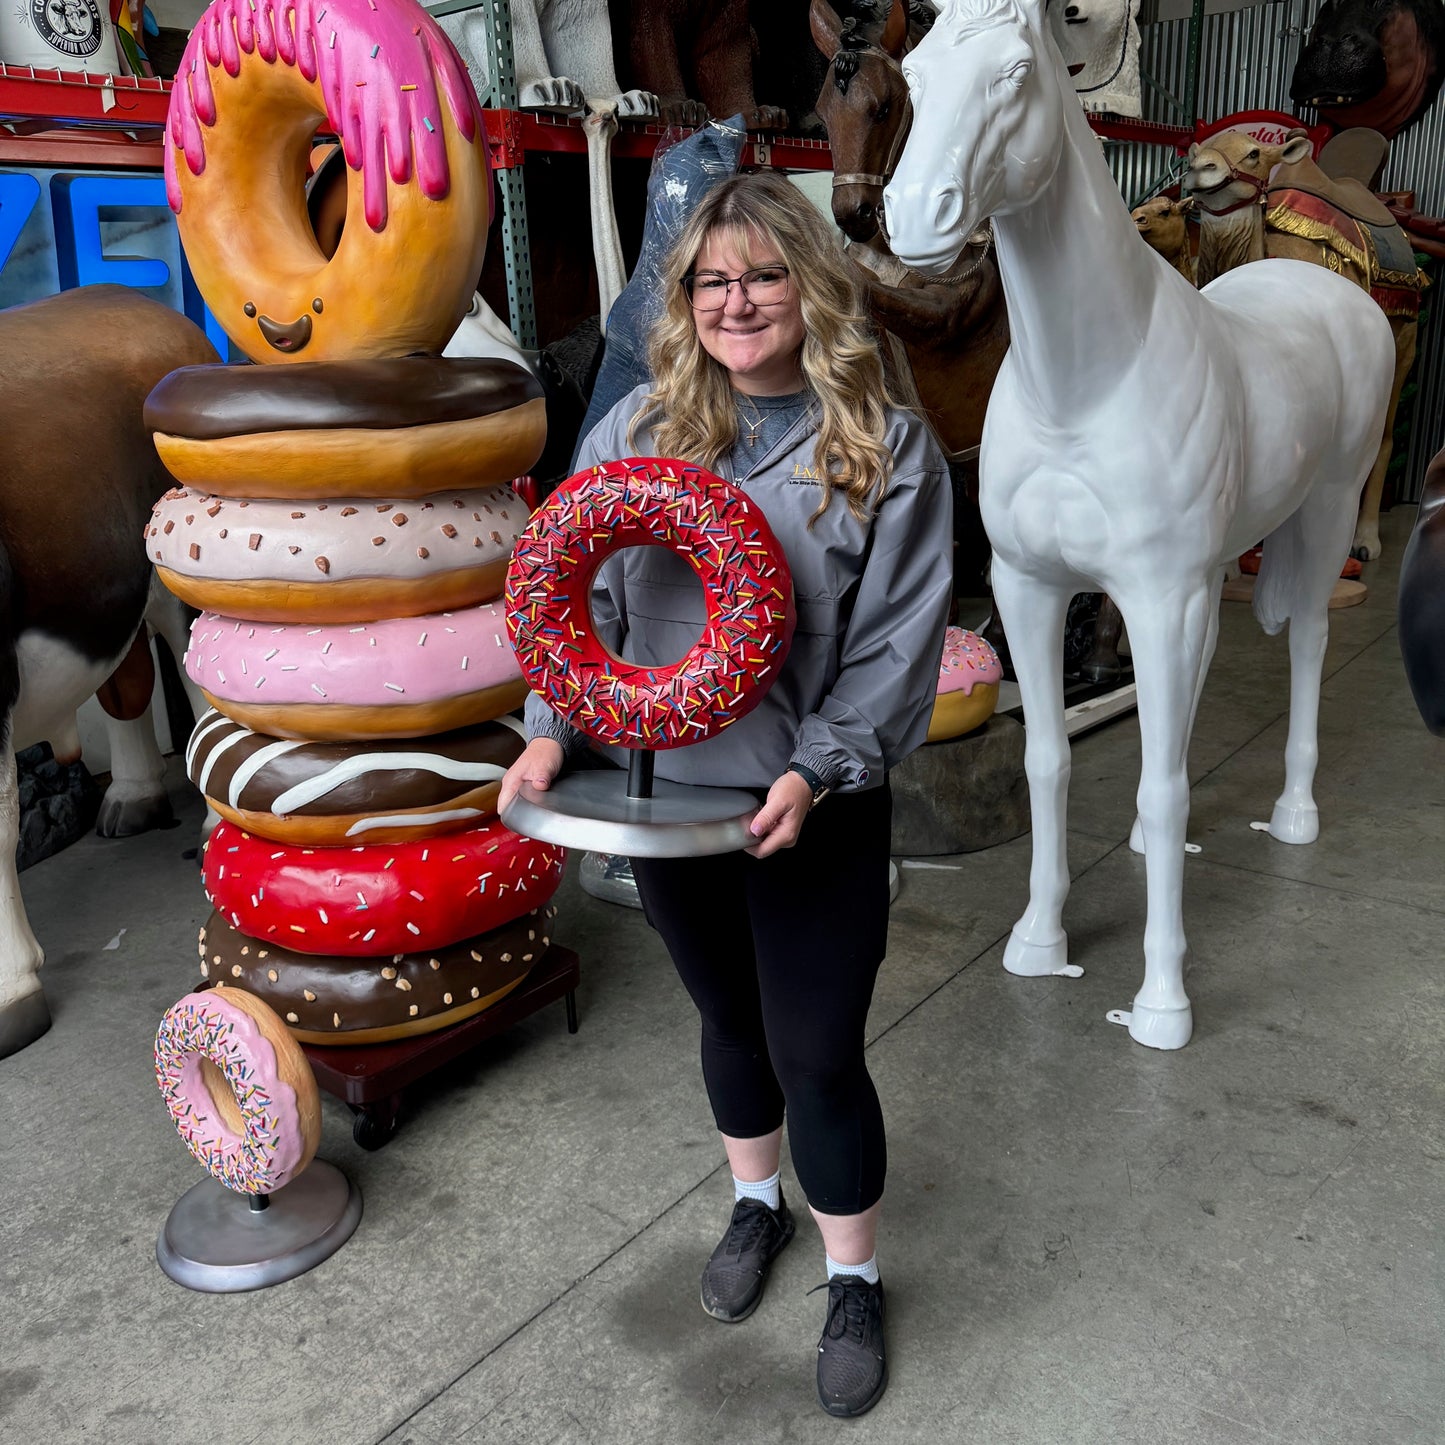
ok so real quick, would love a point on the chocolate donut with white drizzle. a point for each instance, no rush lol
(383, 791)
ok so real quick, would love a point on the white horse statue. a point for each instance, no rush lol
(1140, 434)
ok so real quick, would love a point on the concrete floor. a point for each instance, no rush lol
(1084, 1240)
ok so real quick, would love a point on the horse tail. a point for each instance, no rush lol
(1276, 588)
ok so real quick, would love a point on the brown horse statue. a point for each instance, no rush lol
(953, 330)
(78, 478)
(1257, 200)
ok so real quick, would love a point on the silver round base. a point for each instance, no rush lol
(214, 1241)
(592, 810)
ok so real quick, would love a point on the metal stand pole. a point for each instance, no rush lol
(639, 774)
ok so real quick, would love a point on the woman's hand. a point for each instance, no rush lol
(540, 762)
(780, 819)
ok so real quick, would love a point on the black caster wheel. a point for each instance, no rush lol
(371, 1131)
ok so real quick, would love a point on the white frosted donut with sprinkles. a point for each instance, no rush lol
(747, 587)
(239, 1089)
(346, 560)
(378, 898)
(333, 682)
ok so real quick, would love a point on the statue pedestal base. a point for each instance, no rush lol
(962, 794)
(215, 1240)
(593, 810)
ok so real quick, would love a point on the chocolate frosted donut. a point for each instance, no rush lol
(327, 1000)
(386, 791)
(346, 560)
(394, 428)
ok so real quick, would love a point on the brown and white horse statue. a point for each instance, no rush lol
(78, 478)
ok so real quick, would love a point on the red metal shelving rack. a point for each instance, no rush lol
(69, 118)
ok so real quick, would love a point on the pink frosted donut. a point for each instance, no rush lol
(378, 898)
(968, 679)
(239, 1089)
(403, 677)
(345, 560)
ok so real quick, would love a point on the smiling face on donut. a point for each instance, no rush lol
(405, 264)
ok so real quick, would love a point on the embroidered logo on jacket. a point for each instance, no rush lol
(805, 476)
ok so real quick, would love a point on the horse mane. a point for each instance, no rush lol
(851, 45)
(967, 17)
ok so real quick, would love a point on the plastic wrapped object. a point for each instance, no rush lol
(683, 172)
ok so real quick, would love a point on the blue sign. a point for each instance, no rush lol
(100, 227)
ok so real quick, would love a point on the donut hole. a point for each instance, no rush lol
(662, 587)
(326, 195)
(223, 1097)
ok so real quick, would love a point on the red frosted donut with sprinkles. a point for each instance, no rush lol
(747, 588)
(238, 1089)
(378, 898)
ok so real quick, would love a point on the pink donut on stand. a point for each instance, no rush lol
(239, 1089)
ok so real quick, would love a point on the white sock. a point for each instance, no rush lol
(867, 1271)
(769, 1190)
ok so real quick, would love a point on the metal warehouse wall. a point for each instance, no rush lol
(1246, 59)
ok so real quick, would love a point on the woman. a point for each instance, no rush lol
(768, 373)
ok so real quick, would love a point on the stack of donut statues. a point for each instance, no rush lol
(344, 523)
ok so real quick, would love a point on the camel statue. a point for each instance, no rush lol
(75, 494)
(1140, 434)
(1163, 222)
(1257, 200)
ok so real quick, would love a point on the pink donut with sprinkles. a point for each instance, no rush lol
(747, 587)
(238, 1089)
(378, 898)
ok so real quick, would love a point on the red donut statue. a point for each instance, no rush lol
(643, 501)
(378, 898)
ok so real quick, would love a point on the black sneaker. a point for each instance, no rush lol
(852, 1371)
(732, 1280)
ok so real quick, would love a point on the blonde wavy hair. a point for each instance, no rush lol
(691, 403)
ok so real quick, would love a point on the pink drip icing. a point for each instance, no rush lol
(383, 128)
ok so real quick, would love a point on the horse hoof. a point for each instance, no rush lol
(1295, 825)
(1040, 960)
(124, 816)
(22, 1022)
(1156, 1028)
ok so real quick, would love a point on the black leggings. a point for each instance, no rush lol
(780, 956)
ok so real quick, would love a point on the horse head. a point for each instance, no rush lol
(864, 105)
(989, 88)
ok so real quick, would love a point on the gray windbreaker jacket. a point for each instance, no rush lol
(857, 690)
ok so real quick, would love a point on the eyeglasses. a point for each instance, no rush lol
(763, 286)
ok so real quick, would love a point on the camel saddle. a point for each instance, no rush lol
(1351, 224)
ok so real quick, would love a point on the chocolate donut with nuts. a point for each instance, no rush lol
(332, 1000)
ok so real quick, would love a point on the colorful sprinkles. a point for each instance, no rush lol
(205, 1026)
(748, 588)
